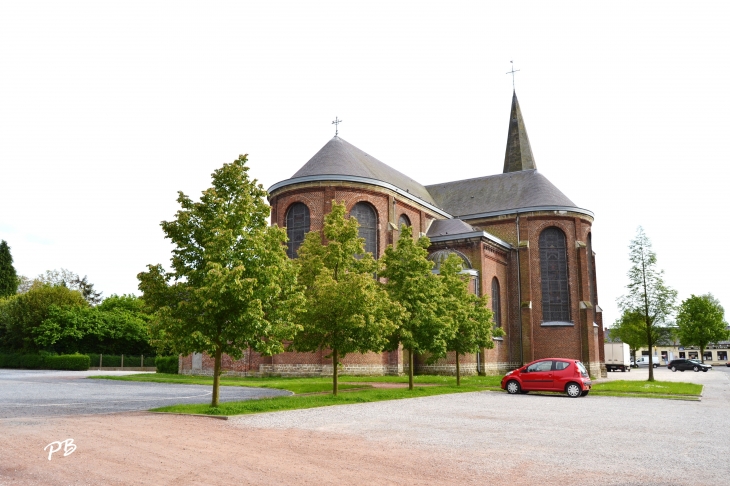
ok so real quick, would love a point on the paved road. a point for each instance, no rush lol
(32, 393)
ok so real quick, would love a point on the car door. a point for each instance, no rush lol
(538, 376)
(562, 373)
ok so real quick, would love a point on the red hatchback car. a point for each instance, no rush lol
(550, 374)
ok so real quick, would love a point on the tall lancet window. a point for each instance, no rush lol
(554, 276)
(496, 306)
(297, 225)
(366, 217)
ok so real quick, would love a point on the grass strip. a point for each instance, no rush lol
(295, 385)
(307, 385)
(647, 388)
(313, 401)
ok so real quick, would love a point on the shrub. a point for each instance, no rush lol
(167, 364)
(45, 361)
(74, 362)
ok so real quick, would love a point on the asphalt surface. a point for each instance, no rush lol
(33, 393)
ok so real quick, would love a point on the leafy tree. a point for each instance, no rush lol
(425, 328)
(472, 321)
(630, 329)
(22, 314)
(8, 277)
(648, 296)
(117, 326)
(69, 279)
(347, 309)
(231, 285)
(701, 321)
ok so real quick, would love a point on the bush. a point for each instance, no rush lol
(110, 360)
(167, 364)
(73, 362)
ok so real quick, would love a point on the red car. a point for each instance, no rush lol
(549, 374)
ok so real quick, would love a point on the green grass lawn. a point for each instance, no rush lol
(312, 401)
(316, 392)
(646, 389)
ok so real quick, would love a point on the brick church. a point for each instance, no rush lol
(522, 241)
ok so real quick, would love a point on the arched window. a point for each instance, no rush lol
(365, 215)
(297, 225)
(554, 276)
(403, 220)
(496, 307)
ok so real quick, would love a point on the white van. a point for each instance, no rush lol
(644, 361)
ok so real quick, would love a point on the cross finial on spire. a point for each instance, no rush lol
(512, 72)
(336, 123)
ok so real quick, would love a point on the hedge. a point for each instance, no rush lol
(74, 362)
(111, 360)
(167, 364)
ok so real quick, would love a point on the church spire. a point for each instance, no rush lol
(518, 155)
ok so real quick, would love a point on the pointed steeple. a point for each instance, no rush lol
(518, 155)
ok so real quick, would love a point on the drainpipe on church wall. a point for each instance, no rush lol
(519, 289)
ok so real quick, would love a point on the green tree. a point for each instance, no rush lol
(347, 310)
(8, 277)
(472, 321)
(69, 279)
(425, 328)
(231, 285)
(701, 321)
(648, 295)
(22, 314)
(118, 326)
(630, 329)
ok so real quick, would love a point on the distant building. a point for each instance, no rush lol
(526, 245)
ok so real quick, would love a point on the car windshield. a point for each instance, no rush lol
(695, 361)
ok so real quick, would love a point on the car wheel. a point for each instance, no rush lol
(674, 368)
(696, 368)
(584, 393)
(512, 387)
(524, 392)
(573, 390)
(628, 369)
(705, 370)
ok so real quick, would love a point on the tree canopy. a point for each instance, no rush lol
(426, 327)
(471, 319)
(231, 286)
(8, 276)
(648, 297)
(347, 308)
(701, 321)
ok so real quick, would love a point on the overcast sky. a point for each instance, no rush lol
(108, 108)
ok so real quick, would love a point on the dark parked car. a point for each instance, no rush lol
(552, 374)
(688, 364)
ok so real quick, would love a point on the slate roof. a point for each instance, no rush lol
(442, 227)
(501, 192)
(339, 157)
(518, 154)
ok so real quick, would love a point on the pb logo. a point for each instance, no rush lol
(68, 447)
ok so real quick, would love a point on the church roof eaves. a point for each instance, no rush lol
(473, 234)
(509, 193)
(362, 180)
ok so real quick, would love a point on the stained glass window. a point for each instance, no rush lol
(365, 215)
(554, 276)
(297, 225)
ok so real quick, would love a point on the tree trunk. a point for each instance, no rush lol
(458, 371)
(702, 354)
(216, 377)
(410, 368)
(334, 372)
(651, 345)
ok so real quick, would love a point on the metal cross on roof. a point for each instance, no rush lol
(512, 72)
(336, 123)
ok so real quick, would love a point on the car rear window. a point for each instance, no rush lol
(583, 370)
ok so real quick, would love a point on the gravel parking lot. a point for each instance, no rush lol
(472, 438)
